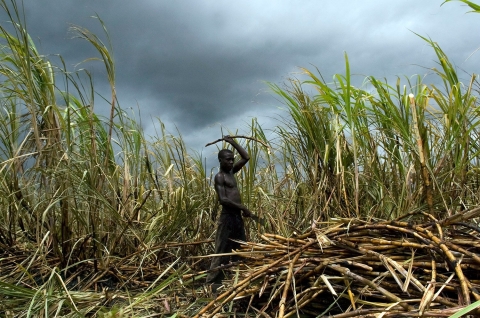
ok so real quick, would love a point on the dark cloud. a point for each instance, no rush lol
(202, 64)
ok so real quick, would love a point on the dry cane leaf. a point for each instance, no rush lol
(322, 239)
(167, 305)
(443, 286)
(404, 273)
(327, 283)
(427, 298)
(409, 273)
(380, 315)
(391, 270)
(264, 285)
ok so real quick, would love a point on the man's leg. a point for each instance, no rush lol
(238, 233)
(222, 245)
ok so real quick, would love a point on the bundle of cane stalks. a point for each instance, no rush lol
(351, 268)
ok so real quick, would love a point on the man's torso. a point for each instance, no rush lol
(231, 190)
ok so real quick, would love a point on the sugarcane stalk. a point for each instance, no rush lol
(429, 292)
(453, 261)
(461, 216)
(457, 248)
(422, 155)
(350, 294)
(286, 239)
(359, 313)
(383, 291)
(362, 240)
(356, 264)
(287, 286)
(254, 276)
(303, 295)
(377, 241)
(475, 292)
(264, 237)
(238, 136)
(306, 301)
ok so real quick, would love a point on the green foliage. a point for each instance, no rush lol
(81, 191)
(474, 6)
(381, 150)
(466, 310)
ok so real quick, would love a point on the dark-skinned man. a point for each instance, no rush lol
(230, 225)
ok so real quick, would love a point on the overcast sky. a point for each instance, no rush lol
(202, 65)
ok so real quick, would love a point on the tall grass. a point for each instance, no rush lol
(78, 189)
(85, 194)
(382, 150)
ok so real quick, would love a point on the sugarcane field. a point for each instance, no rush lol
(363, 199)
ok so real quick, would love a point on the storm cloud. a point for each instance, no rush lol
(199, 65)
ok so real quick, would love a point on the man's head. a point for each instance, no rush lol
(226, 159)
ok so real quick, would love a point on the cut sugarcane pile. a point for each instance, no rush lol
(352, 268)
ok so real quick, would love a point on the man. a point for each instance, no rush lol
(230, 224)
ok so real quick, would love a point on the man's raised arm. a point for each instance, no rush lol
(243, 153)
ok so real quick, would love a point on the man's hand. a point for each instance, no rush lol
(247, 213)
(228, 139)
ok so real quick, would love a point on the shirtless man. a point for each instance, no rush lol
(230, 224)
